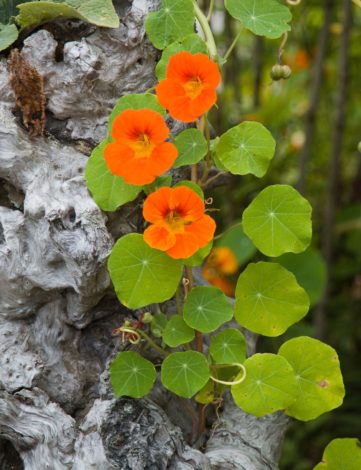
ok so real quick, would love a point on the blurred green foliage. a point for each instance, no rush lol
(281, 106)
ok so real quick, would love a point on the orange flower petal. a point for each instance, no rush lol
(162, 158)
(116, 156)
(159, 238)
(131, 123)
(203, 229)
(156, 205)
(185, 246)
(187, 203)
(203, 102)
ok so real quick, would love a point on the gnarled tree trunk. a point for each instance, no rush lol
(57, 306)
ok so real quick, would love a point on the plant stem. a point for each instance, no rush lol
(211, 44)
(233, 45)
(152, 343)
(194, 174)
(210, 11)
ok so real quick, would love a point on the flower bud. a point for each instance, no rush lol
(147, 318)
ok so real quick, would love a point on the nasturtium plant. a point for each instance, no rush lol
(108, 190)
(172, 22)
(317, 371)
(343, 453)
(228, 346)
(206, 309)
(278, 221)
(185, 373)
(177, 332)
(246, 148)
(8, 35)
(142, 275)
(268, 299)
(263, 17)
(269, 386)
(132, 375)
(152, 272)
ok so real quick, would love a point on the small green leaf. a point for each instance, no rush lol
(98, 12)
(246, 148)
(177, 332)
(206, 309)
(263, 17)
(172, 22)
(269, 386)
(159, 182)
(8, 35)
(318, 374)
(278, 221)
(228, 346)
(235, 239)
(134, 101)
(206, 394)
(192, 147)
(268, 299)
(310, 271)
(198, 257)
(158, 324)
(109, 191)
(142, 275)
(131, 375)
(191, 43)
(185, 373)
(341, 454)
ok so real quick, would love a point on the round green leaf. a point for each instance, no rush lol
(131, 375)
(192, 147)
(318, 374)
(177, 332)
(341, 454)
(246, 148)
(8, 35)
(310, 271)
(269, 386)
(172, 22)
(228, 346)
(268, 299)
(109, 191)
(236, 240)
(142, 275)
(135, 101)
(191, 43)
(185, 373)
(263, 17)
(278, 221)
(206, 309)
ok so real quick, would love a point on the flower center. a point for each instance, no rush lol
(142, 146)
(193, 87)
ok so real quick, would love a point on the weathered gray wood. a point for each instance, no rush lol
(57, 307)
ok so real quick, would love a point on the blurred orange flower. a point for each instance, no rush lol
(179, 225)
(139, 153)
(189, 89)
(220, 264)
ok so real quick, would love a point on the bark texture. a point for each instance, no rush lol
(57, 307)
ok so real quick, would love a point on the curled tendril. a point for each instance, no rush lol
(233, 382)
(294, 2)
(209, 201)
(133, 335)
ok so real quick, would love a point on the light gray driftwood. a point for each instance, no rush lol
(57, 308)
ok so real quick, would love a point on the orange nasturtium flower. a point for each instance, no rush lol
(179, 225)
(220, 264)
(139, 152)
(189, 89)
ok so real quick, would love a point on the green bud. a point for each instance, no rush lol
(286, 71)
(147, 318)
(279, 72)
(156, 332)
